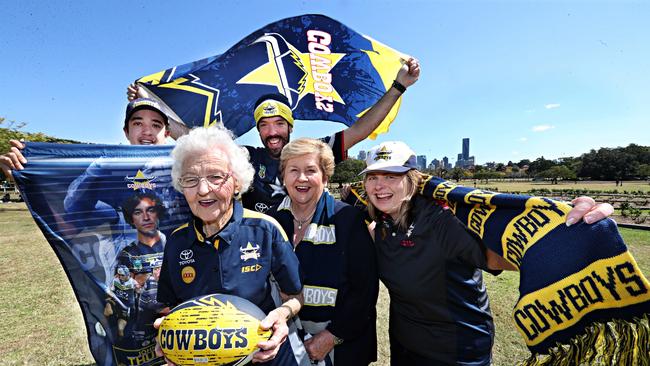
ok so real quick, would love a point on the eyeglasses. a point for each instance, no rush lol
(216, 180)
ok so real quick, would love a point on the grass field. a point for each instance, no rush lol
(41, 323)
(507, 186)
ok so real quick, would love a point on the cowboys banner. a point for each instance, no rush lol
(325, 69)
(95, 204)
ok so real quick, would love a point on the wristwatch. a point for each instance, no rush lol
(337, 341)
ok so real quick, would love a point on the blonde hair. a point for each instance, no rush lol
(202, 140)
(304, 146)
(413, 181)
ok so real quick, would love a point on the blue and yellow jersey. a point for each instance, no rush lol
(239, 260)
(141, 258)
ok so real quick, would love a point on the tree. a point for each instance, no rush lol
(643, 171)
(347, 171)
(486, 175)
(459, 173)
(539, 165)
(12, 132)
(523, 162)
(558, 172)
(609, 164)
(479, 168)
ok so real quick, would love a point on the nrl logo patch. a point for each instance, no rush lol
(250, 252)
(140, 181)
(262, 172)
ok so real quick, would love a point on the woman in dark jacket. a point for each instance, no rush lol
(336, 257)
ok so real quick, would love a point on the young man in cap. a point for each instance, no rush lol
(144, 124)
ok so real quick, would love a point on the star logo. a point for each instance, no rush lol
(249, 252)
(140, 181)
(269, 109)
(277, 188)
(212, 114)
(383, 153)
(295, 74)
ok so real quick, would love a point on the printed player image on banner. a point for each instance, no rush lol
(106, 210)
(326, 70)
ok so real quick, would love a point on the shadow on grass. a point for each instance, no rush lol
(14, 209)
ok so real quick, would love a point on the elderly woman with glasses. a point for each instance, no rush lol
(336, 257)
(224, 248)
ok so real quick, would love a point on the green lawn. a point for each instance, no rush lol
(42, 324)
(41, 320)
(507, 186)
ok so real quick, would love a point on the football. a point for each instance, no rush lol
(212, 330)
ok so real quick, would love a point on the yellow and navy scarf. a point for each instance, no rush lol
(583, 298)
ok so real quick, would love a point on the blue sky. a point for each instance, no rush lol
(521, 79)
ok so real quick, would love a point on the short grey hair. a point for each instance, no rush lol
(201, 140)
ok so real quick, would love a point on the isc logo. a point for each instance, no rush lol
(251, 268)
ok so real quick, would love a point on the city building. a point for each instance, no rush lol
(362, 155)
(464, 160)
(421, 161)
(466, 148)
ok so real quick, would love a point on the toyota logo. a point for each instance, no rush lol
(186, 254)
(261, 207)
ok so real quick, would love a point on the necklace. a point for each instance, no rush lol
(304, 221)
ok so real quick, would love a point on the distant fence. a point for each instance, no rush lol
(634, 226)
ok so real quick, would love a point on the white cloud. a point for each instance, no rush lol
(552, 106)
(523, 139)
(542, 128)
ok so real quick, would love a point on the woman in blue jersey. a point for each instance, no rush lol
(336, 258)
(224, 248)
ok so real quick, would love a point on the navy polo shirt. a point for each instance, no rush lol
(239, 260)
